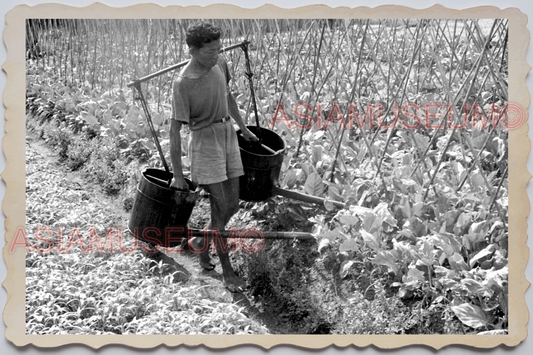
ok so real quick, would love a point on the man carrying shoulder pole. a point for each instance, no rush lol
(201, 99)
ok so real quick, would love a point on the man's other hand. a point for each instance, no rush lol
(179, 183)
(248, 135)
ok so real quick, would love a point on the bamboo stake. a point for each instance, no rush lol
(331, 66)
(306, 198)
(86, 56)
(443, 154)
(313, 84)
(293, 61)
(161, 65)
(93, 77)
(495, 195)
(416, 45)
(354, 92)
(61, 54)
(488, 58)
(110, 59)
(341, 127)
(476, 156)
(47, 43)
(489, 136)
(504, 51)
(71, 51)
(280, 48)
(53, 46)
(473, 72)
(477, 164)
(123, 60)
(453, 46)
(489, 186)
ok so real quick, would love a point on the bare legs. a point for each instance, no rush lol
(224, 200)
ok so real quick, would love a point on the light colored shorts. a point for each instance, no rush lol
(214, 153)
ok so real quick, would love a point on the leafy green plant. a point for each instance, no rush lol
(108, 291)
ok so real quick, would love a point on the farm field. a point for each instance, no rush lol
(402, 121)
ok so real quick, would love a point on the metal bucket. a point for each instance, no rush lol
(261, 168)
(160, 214)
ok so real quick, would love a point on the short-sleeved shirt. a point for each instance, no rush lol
(200, 101)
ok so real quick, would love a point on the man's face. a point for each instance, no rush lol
(208, 54)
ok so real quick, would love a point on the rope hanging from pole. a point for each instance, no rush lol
(249, 75)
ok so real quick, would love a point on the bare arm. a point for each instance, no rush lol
(175, 155)
(234, 112)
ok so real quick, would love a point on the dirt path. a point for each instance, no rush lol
(210, 281)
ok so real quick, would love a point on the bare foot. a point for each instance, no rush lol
(197, 244)
(234, 284)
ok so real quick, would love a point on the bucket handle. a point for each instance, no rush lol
(137, 86)
(249, 75)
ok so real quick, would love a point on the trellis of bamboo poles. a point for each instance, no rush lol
(293, 55)
(477, 67)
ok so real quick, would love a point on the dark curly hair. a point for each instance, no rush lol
(200, 33)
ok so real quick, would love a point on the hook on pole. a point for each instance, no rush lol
(249, 75)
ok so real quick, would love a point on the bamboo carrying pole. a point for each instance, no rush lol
(177, 66)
